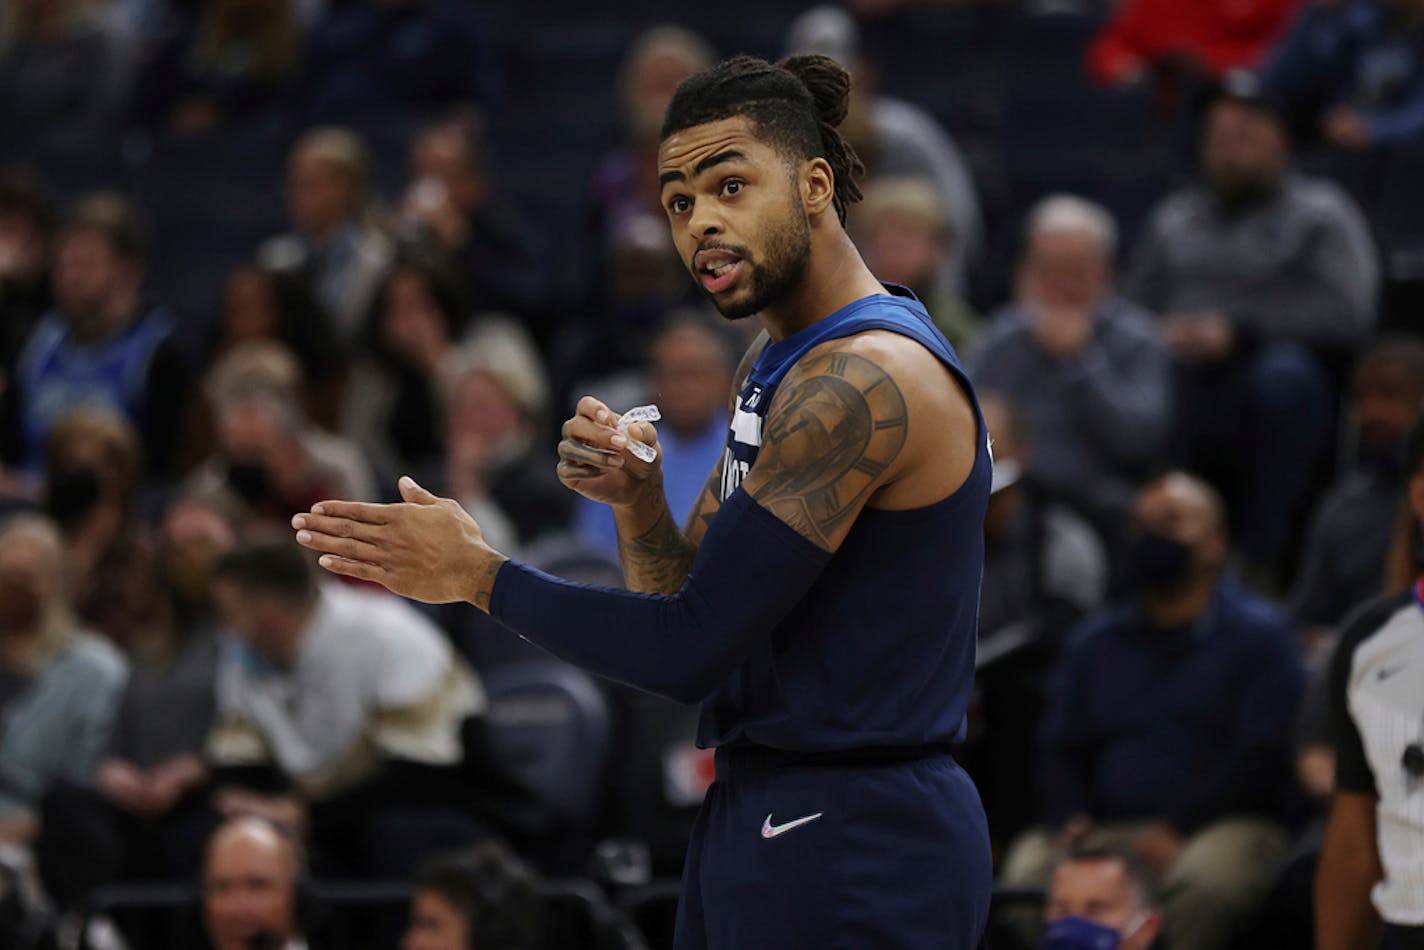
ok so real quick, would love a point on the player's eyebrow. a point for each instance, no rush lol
(721, 158)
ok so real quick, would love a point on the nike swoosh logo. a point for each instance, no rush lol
(768, 830)
(1388, 671)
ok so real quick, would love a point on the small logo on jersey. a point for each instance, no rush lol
(768, 830)
(1388, 671)
(753, 400)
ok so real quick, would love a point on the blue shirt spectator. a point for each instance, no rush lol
(100, 345)
(690, 374)
(1171, 723)
(1189, 722)
(1353, 73)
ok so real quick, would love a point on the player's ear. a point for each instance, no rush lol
(818, 186)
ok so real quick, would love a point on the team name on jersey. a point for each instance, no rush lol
(743, 437)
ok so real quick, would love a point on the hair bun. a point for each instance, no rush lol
(826, 80)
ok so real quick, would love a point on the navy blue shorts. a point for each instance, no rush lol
(896, 855)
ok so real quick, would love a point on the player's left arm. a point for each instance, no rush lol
(836, 431)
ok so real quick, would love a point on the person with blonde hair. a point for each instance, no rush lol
(59, 684)
(336, 241)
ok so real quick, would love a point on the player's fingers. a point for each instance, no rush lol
(592, 433)
(346, 567)
(644, 432)
(568, 471)
(344, 547)
(580, 454)
(354, 510)
(597, 410)
(338, 527)
(414, 493)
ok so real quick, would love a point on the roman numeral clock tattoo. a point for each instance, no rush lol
(837, 424)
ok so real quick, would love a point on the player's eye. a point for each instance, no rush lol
(680, 204)
(731, 186)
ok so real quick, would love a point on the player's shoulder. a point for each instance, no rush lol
(884, 351)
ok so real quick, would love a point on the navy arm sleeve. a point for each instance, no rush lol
(751, 570)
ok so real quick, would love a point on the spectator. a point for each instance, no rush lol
(146, 817)
(1087, 369)
(898, 139)
(1344, 560)
(646, 285)
(690, 373)
(496, 407)
(395, 58)
(1352, 74)
(93, 480)
(1250, 272)
(259, 304)
(267, 369)
(1167, 40)
(25, 237)
(64, 87)
(1044, 566)
(24, 257)
(905, 235)
(393, 401)
(350, 702)
(1044, 570)
(252, 876)
(267, 452)
(100, 345)
(336, 247)
(624, 187)
(1170, 727)
(1369, 877)
(452, 200)
(59, 686)
(1100, 897)
(236, 59)
(481, 899)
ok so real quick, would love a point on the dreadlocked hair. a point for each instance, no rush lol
(795, 105)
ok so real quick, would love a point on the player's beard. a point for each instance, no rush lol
(779, 273)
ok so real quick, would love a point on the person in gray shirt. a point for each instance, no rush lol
(1258, 273)
(1087, 370)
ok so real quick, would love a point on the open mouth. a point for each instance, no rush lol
(717, 270)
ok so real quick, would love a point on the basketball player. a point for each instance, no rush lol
(821, 602)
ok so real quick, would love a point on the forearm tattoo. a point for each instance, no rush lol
(658, 560)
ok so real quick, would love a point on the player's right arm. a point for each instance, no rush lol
(656, 555)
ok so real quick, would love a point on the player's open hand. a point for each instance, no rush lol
(426, 548)
(594, 459)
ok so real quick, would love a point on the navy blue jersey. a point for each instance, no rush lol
(881, 650)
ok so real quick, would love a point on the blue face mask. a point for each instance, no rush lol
(1078, 933)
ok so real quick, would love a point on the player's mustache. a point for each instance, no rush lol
(736, 249)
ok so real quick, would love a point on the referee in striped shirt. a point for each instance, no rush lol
(1369, 890)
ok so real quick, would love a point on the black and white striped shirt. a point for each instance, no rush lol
(1377, 705)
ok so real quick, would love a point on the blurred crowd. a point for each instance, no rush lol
(257, 253)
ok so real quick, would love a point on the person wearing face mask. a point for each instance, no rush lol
(1264, 278)
(1170, 727)
(93, 478)
(1100, 898)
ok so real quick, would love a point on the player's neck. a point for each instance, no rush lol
(835, 276)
